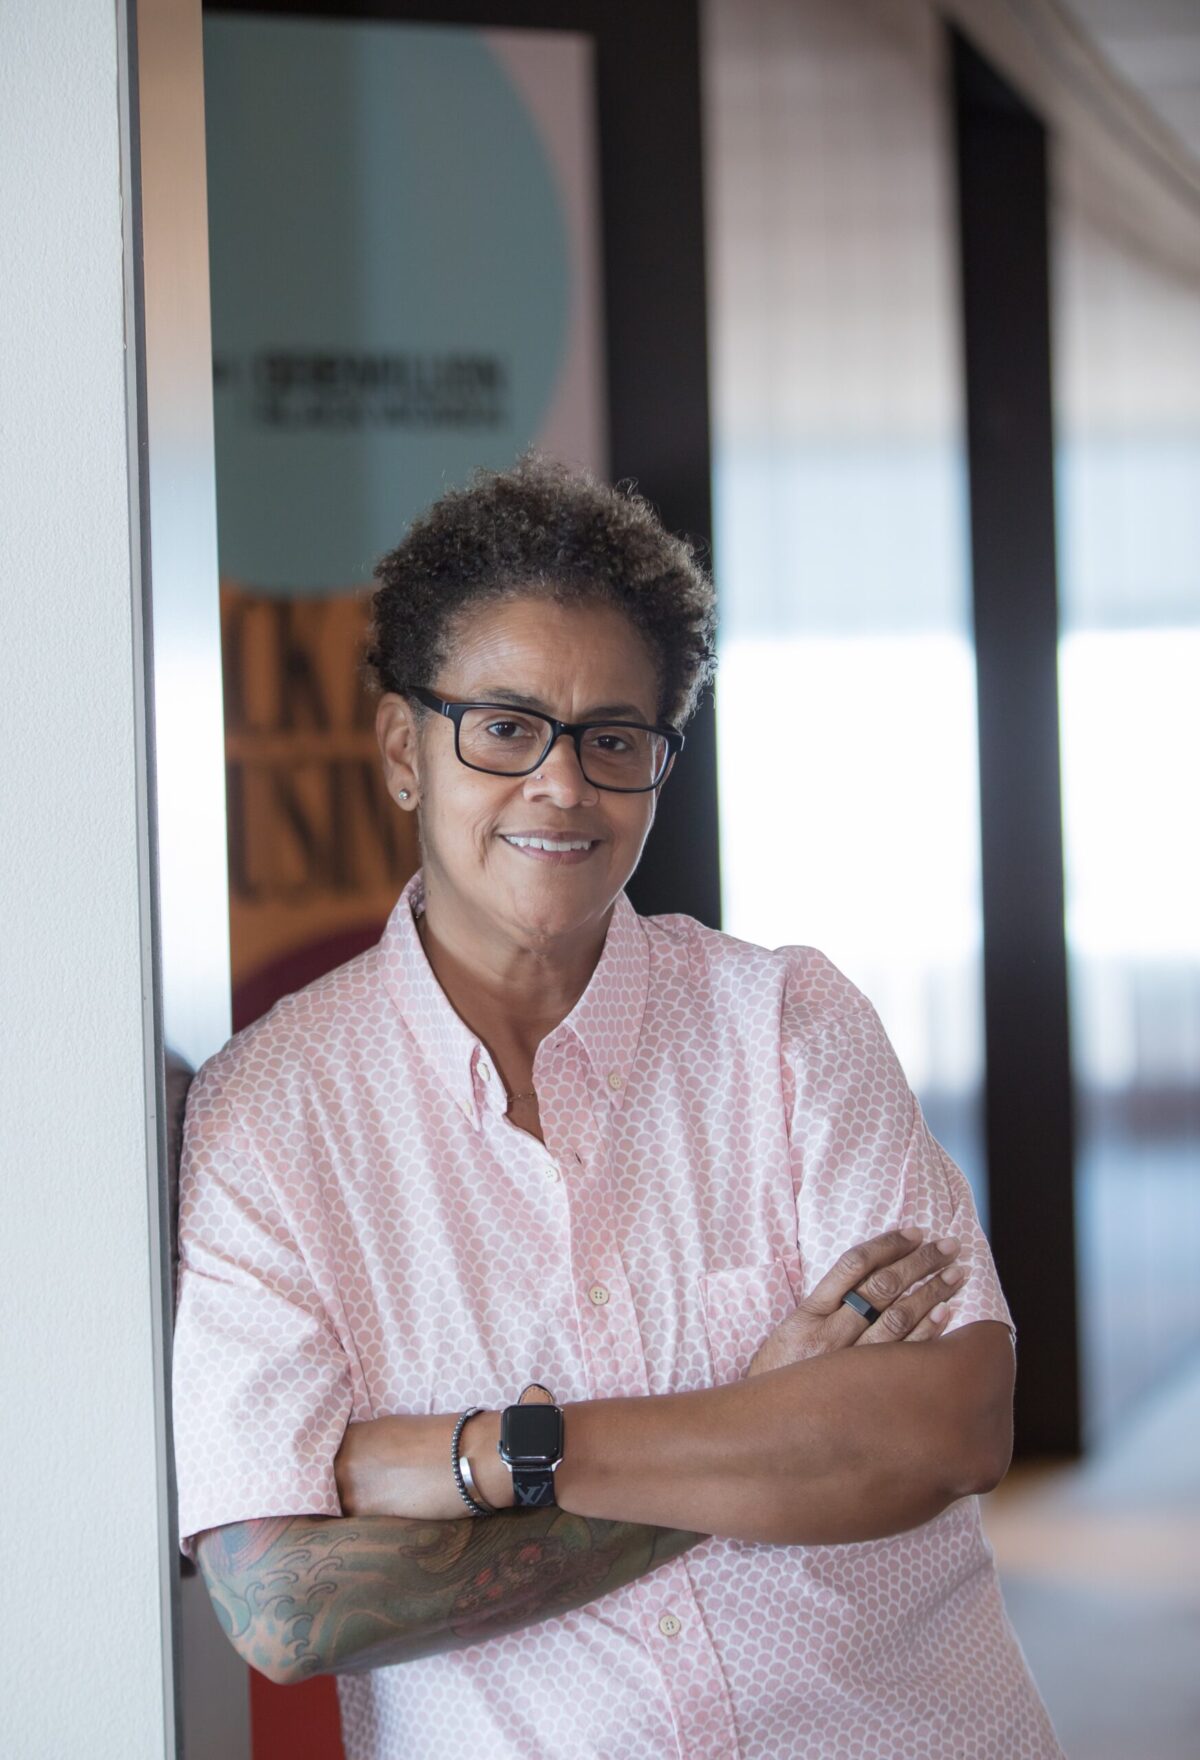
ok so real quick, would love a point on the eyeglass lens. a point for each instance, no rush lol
(611, 757)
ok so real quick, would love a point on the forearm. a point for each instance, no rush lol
(855, 1445)
(305, 1595)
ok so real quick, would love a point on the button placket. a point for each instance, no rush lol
(678, 1643)
(612, 1340)
(551, 1170)
(532, 1165)
(611, 1337)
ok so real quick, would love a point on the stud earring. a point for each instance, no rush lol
(403, 795)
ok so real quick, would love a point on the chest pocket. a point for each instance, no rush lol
(742, 1305)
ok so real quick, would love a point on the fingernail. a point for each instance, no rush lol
(942, 1308)
(949, 1242)
(912, 1234)
(952, 1273)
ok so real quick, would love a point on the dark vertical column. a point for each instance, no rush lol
(1002, 189)
(648, 60)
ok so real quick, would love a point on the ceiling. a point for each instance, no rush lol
(1154, 46)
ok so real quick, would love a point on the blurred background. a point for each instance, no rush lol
(895, 307)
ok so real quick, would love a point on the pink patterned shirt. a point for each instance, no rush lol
(363, 1232)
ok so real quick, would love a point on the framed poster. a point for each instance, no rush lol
(404, 249)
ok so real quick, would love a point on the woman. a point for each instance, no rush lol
(541, 1173)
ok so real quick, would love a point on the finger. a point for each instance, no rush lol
(885, 1284)
(933, 1325)
(854, 1267)
(900, 1319)
(877, 1266)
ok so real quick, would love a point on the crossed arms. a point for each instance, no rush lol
(855, 1445)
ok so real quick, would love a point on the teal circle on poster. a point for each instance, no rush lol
(390, 284)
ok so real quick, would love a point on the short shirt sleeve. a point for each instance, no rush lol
(261, 1386)
(864, 1159)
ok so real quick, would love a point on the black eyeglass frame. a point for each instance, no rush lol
(575, 729)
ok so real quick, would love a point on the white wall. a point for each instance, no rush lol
(82, 1653)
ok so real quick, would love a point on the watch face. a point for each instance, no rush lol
(531, 1433)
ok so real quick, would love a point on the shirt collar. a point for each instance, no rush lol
(607, 1019)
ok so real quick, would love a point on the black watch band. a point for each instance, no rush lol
(533, 1487)
(531, 1446)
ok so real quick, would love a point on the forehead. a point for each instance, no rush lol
(559, 653)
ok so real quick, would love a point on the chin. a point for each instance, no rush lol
(543, 920)
(547, 912)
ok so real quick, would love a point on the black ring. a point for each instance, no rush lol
(862, 1306)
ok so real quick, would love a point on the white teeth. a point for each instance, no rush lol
(548, 844)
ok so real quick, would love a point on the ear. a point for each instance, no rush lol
(396, 731)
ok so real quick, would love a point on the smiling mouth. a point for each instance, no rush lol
(550, 845)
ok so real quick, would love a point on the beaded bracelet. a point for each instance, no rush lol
(476, 1509)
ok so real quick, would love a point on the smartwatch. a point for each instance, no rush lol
(531, 1446)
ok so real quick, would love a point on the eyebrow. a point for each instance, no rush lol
(500, 694)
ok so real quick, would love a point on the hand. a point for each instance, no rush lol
(884, 1270)
(400, 1466)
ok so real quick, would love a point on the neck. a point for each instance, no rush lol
(506, 990)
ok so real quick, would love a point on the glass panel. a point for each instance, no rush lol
(376, 336)
(1128, 400)
(846, 691)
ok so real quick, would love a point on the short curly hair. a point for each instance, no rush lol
(542, 526)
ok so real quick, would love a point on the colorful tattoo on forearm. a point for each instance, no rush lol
(302, 1595)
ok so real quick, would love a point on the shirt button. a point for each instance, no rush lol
(597, 1295)
(615, 1080)
(485, 1072)
(670, 1624)
(552, 1171)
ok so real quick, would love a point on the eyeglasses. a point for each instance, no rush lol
(628, 757)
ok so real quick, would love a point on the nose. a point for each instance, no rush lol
(559, 777)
